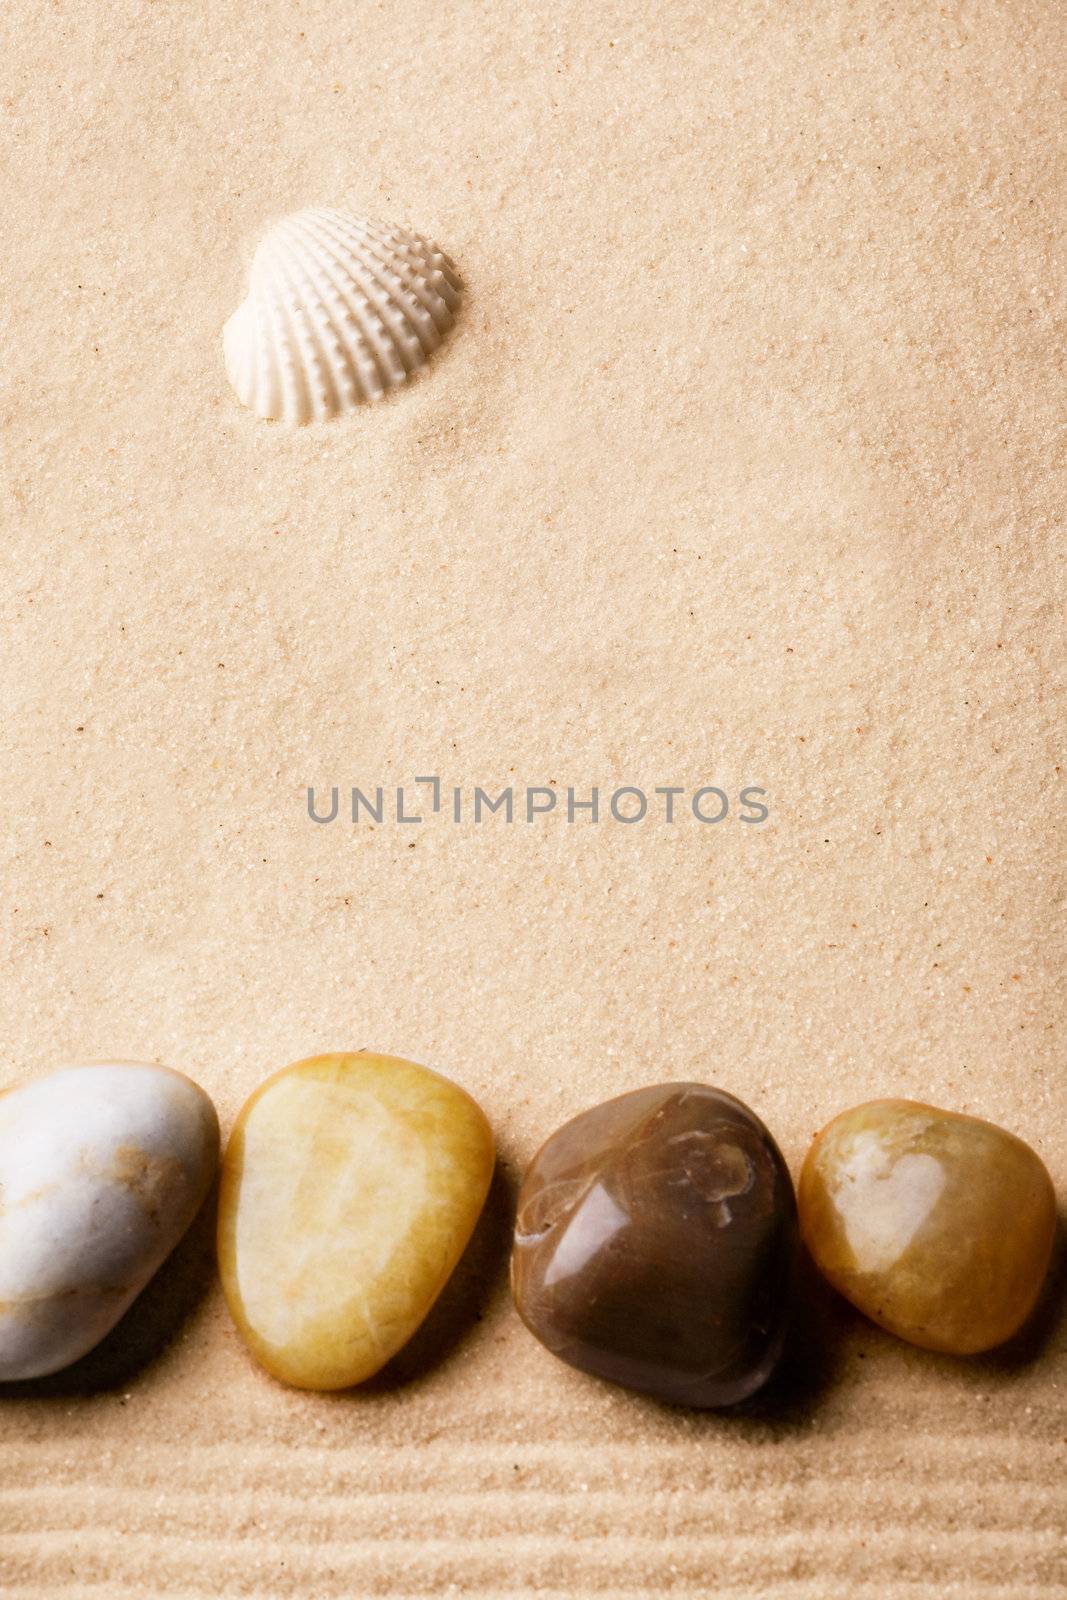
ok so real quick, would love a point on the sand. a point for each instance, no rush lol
(739, 468)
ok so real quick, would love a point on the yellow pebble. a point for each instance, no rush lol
(935, 1225)
(350, 1188)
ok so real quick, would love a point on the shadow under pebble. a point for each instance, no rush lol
(463, 1302)
(1040, 1330)
(151, 1324)
(826, 1327)
(813, 1357)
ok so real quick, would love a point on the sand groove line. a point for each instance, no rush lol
(379, 1572)
(453, 1449)
(671, 1471)
(367, 1473)
(493, 1416)
(970, 1417)
(974, 1422)
(624, 1546)
(790, 1504)
(733, 1578)
(338, 1432)
(795, 1588)
(687, 1480)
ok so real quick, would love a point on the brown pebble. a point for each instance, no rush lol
(655, 1245)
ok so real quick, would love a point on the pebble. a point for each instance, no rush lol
(655, 1245)
(102, 1169)
(350, 1188)
(937, 1226)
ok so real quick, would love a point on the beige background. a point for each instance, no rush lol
(740, 468)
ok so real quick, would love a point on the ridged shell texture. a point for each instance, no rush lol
(339, 310)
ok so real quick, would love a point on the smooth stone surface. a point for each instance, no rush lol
(655, 1245)
(350, 1188)
(938, 1226)
(102, 1169)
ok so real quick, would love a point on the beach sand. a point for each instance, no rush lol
(739, 469)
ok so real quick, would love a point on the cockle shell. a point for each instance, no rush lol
(339, 310)
(102, 1169)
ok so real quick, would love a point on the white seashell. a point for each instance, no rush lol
(102, 1169)
(339, 309)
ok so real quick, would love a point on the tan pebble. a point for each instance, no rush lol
(938, 1226)
(350, 1188)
